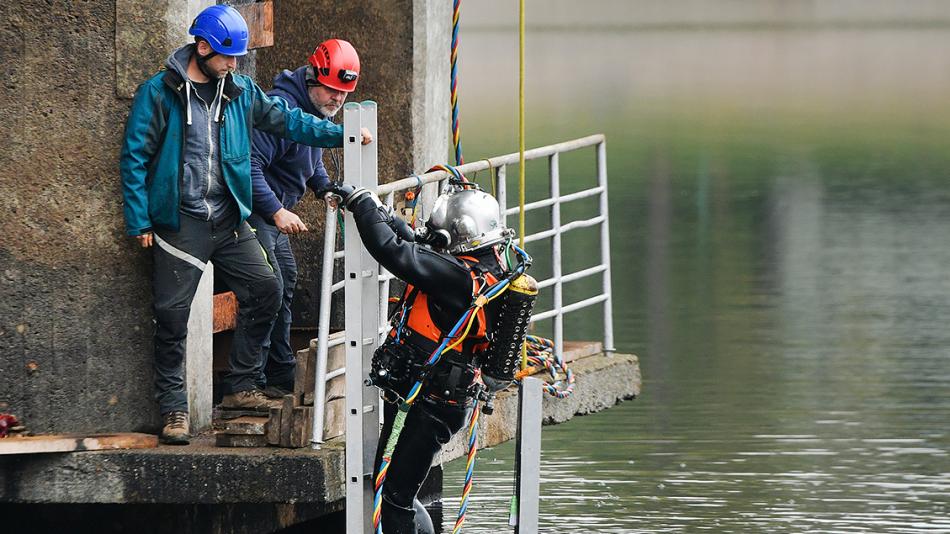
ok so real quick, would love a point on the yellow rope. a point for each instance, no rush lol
(521, 162)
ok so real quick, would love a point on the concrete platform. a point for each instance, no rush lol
(284, 486)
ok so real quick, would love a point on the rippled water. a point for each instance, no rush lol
(780, 205)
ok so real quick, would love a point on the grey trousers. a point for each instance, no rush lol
(179, 260)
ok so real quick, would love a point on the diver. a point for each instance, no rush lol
(453, 267)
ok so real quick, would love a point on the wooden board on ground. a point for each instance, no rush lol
(304, 376)
(244, 425)
(334, 422)
(575, 350)
(335, 412)
(75, 443)
(239, 440)
(302, 429)
(286, 420)
(273, 427)
(336, 359)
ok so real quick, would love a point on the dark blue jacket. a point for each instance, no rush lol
(281, 169)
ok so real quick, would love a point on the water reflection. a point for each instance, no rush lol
(780, 203)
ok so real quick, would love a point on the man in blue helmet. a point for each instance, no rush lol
(186, 177)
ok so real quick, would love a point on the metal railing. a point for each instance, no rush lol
(557, 228)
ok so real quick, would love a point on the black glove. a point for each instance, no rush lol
(495, 385)
(340, 189)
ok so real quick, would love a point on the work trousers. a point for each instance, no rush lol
(429, 425)
(179, 261)
(278, 361)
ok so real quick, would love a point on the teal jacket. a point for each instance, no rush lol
(151, 162)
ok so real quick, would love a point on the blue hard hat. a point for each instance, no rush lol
(224, 29)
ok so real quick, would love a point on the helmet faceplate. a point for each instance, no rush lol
(471, 218)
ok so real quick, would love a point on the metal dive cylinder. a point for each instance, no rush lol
(510, 328)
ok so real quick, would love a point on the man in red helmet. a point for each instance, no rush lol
(281, 172)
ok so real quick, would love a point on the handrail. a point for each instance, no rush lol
(490, 163)
(387, 193)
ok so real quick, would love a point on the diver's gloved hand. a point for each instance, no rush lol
(346, 192)
(495, 385)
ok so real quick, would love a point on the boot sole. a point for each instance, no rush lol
(174, 441)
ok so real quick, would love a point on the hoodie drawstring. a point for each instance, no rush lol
(188, 101)
(217, 112)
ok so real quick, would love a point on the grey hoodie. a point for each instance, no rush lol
(204, 194)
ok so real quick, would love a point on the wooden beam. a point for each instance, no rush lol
(75, 443)
(225, 312)
(260, 23)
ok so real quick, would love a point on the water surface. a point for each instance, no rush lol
(780, 208)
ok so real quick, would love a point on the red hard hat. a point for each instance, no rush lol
(336, 65)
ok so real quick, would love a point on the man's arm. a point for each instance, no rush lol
(265, 148)
(273, 115)
(142, 132)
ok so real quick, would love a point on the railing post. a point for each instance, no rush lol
(323, 329)
(555, 179)
(362, 325)
(528, 457)
(501, 191)
(605, 247)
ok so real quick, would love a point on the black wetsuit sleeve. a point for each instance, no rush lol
(441, 276)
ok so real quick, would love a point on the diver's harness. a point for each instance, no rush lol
(394, 365)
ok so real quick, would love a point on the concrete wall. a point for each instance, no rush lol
(75, 319)
(74, 291)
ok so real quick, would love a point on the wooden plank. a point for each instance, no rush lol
(244, 425)
(575, 350)
(335, 419)
(225, 312)
(336, 359)
(304, 376)
(260, 23)
(286, 420)
(303, 426)
(273, 427)
(238, 440)
(76, 443)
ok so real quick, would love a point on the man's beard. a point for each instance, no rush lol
(328, 110)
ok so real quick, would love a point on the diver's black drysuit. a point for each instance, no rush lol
(444, 404)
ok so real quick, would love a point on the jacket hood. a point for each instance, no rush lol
(178, 60)
(294, 85)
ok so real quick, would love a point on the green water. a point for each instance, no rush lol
(780, 224)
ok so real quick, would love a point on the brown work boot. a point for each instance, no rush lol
(176, 429)
(252, 399)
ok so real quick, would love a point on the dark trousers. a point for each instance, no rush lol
(429, 425)
(179, 259)
(278, 360)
